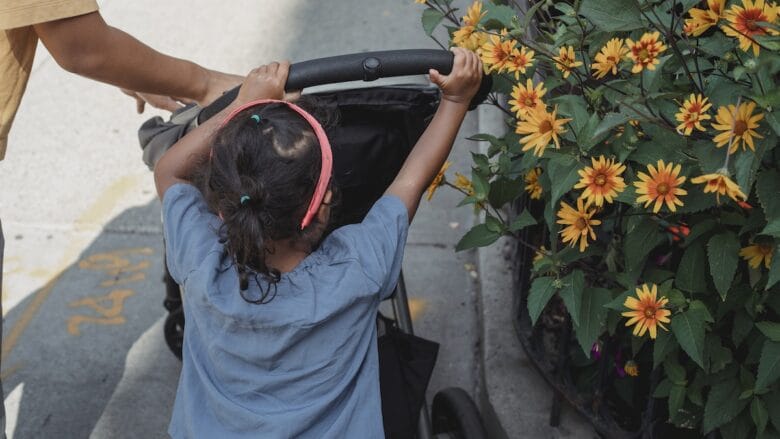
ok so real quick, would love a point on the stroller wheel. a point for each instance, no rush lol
(455, 415)
(174, 331)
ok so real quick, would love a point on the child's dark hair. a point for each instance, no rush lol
(264, 166)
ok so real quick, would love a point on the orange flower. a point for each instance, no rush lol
(647, 312)
(438, 180)
(631, 368)
(602, 181)
(744, 22)
(532, 186)
(609, 57)
(645, 52)
(738, 126)
(541, 128)
(520, 60)
(566, 61)
(757, 253)
(526, 98)
(468, 37)
(578, 222)
(692, 113)
(497, 53)
(721, 185)
(474, 14)
(703, 19)
(661, 186)
(463, 183)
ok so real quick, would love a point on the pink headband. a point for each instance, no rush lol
(322, 138)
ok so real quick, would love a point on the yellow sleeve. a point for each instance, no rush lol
(18, 13)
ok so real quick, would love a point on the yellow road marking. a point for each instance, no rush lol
(95, 214)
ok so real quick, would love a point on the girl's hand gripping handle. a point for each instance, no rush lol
(433, 147)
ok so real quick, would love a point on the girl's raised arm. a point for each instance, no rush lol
(433, 147)
(179, 163)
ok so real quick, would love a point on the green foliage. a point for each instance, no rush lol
(720, 357)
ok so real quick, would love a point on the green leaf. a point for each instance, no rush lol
(723, 254)
(504, 190)
(523, 220)
(768, 191)
(759, 414)
(676, 400)
(617, 303)
(743, 323)
(574, 107)
(770, 329)
(772, 401)
(592, 316)
(772, 228)
(542, 289)
(722, 406)
(692, 270)
(498, 16)
(479, 236)
(674, 371)
(612, 15)
(774, 270)
(571, 293)
(769, 365)
(642, 236)
(430, 19)
(747, 165)
(563, 175)
(688, 328)
(480, 184)
(664, 344)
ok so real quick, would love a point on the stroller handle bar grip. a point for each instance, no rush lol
(367, 66)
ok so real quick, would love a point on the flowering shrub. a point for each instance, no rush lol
(641, 146)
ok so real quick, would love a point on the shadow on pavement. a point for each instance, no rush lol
(92, 344)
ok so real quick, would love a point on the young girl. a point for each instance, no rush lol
(280, 338)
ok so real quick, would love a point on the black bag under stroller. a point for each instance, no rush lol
(376, 129)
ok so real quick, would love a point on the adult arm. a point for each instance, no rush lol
(86, 45)
(435, 144)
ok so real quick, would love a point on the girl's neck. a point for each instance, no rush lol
(287, 254)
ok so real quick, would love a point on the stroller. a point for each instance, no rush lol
(377, 128)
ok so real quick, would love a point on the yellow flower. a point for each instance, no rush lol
(703, 19)
(744, 22)
(526, 98)
(496, 53)
(645, 52)
(566, 61)
(438, 180)
(520, 60)
(532, 185)
(474, 14)
(631, 368)
(541, 127)
(739, 121)
(757, 253)
(468, 37)
(420, 2)
(692, 113)
(647, 312)
(463, 183)
(539, 253)
(721, 185)
(662, 185)
(602, 181)
(579, 224)
(609, 57)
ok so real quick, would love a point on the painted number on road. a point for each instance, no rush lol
(121, 267)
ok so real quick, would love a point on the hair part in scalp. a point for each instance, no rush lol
(269, 157)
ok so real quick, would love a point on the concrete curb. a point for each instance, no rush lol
(514, 399)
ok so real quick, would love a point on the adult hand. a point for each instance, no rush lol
(463, 81)
(264, 82)
(157, 101)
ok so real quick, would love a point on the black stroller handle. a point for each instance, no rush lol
(367, 66)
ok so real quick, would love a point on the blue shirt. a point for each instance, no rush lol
(303, 365)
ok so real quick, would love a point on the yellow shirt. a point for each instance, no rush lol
(17, 48)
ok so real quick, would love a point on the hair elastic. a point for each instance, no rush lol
(244, 199)
(327, 155)
(256, 118)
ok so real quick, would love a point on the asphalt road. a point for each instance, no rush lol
(83, 351)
